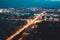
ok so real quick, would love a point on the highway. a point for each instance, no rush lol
(26, 26)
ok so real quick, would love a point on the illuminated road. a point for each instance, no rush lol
(26, 26)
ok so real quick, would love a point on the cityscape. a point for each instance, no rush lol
(29, 24)
(29, 13)
(29, 19)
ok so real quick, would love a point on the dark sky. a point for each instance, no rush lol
(29, 3)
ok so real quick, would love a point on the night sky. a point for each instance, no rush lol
(29, 3)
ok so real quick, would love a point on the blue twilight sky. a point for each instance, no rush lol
(30, 3)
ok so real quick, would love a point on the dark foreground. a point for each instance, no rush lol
(44, 31)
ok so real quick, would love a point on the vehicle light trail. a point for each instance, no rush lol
(25, 26)
(21, 38)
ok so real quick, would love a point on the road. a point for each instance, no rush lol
(26, 26)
